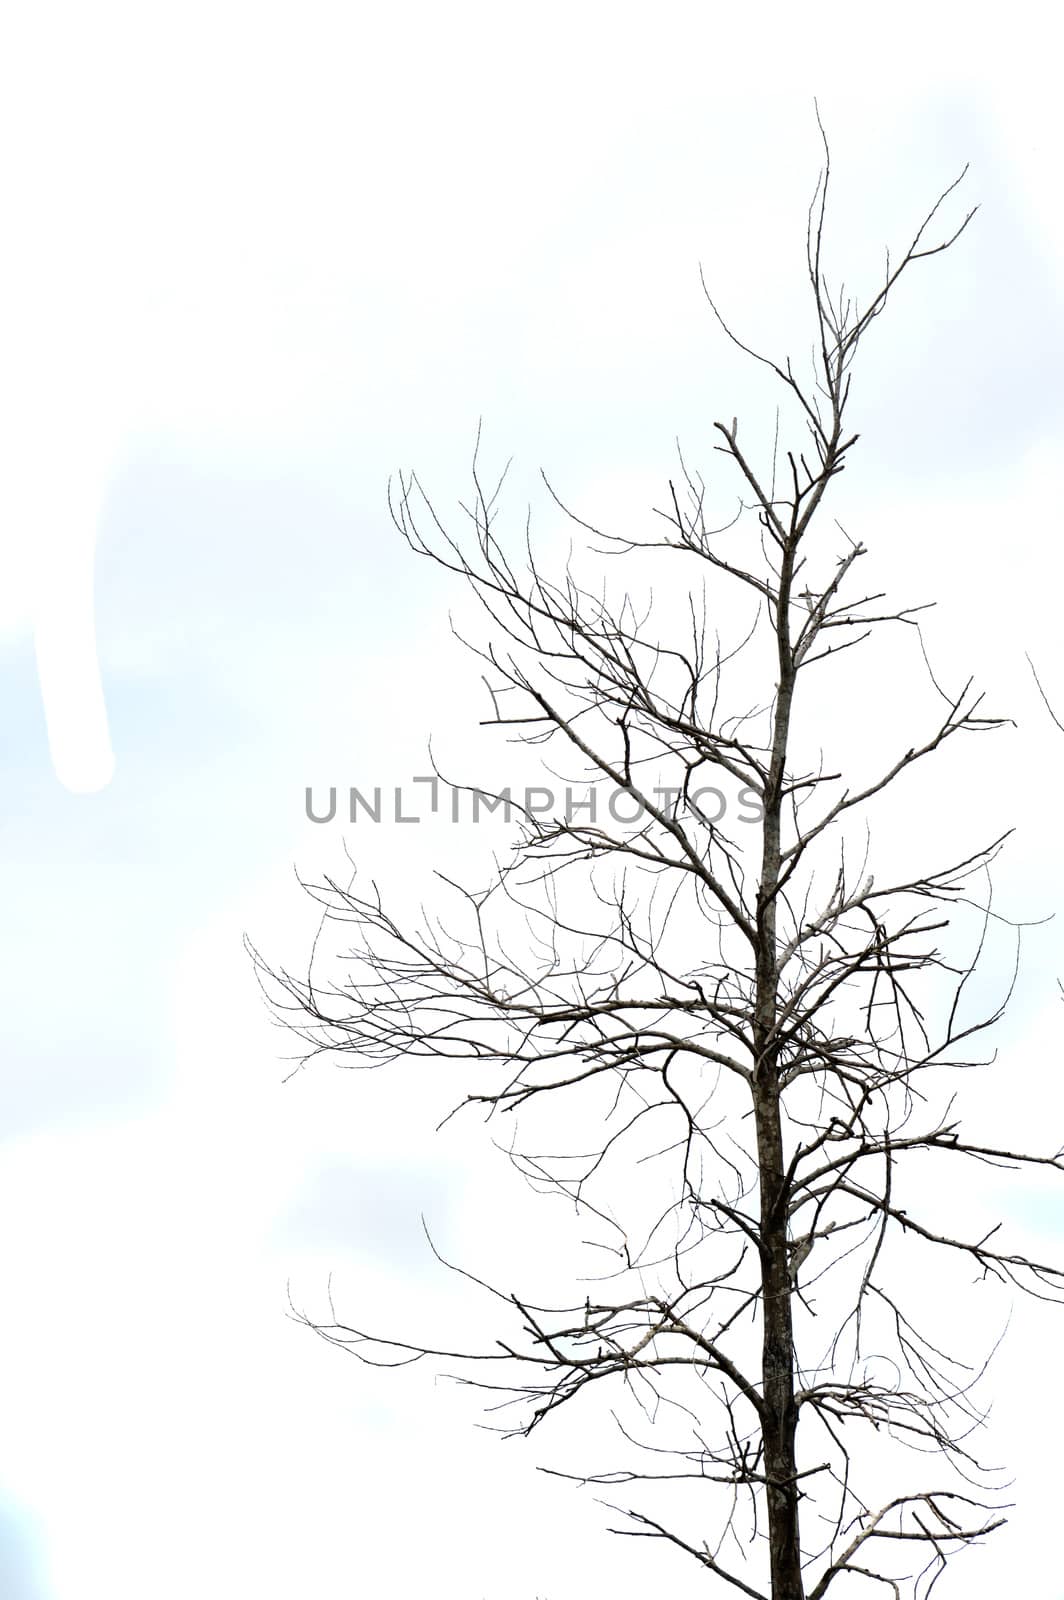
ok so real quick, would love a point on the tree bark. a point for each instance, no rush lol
(780, 1418)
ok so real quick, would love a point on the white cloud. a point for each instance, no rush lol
(247, 236)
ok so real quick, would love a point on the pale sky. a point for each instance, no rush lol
(258, 259)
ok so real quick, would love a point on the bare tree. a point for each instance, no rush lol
(741, 1014)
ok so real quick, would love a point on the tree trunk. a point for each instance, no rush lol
(780, 1417)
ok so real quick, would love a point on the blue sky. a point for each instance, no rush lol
(266, 257)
